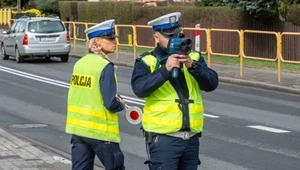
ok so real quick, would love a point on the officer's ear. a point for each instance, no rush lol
(98, 39)
(156, 37)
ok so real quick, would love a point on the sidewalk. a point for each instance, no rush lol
(253, 77)
(19, 153)
(16, 154)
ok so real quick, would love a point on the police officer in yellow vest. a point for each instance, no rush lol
(173, 112)
(92, 117)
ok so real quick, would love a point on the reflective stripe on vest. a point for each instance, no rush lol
(87, 115)
(161, 114)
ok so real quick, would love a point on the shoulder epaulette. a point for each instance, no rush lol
(143, 55)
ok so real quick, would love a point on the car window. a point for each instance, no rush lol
(20, 28)
(13, 27)
(45, 26)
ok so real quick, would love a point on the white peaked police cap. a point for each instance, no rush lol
(167, 24)
(104, 29)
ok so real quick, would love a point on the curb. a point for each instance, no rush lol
(257, 84)
(42, 145)
(38, 144)
(228, 80)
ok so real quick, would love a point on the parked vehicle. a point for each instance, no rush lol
(31, 37)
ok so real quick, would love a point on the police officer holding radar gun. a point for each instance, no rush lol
(171, 78)
(93, 104)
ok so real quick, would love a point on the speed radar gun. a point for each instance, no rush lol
(133, 114)
(179, 46)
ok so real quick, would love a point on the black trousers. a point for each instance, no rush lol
(85, 149)
(171, 153)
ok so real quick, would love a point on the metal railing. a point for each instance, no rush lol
(224, 54)
(255, 57)
(73, 31)
(117, 28)
(5, 16)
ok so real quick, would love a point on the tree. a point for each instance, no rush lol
(9, 3)
(209, 3)
(13, 3)
(268, 11)
(24, 3)
(29, 4)
(283, 9)
(48, 7)
(264, 10)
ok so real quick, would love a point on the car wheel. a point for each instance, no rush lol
(4, 55)
(19, 58)
(64, 58)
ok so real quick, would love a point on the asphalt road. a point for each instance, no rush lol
(245, 128)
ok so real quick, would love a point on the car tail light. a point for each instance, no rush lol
(68, 37)
(25, 39)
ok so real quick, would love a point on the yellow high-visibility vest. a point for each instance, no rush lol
(87, 115)
(161, 114)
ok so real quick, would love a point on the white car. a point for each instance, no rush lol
(31, 37)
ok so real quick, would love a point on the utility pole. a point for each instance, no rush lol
(19, 6)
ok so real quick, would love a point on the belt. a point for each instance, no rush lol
(184, 135)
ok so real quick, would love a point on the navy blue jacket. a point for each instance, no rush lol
(143, 82)
(108, 89)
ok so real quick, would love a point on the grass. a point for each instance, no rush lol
(234, 60)
(78, 42)
(254, 63)
(226, 60)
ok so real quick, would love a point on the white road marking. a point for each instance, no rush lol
(66, 85)
(269, 129)
(62, 160)
(49, 81)
(211, 116)
(13, 71)
(25, 126)
(53, 82)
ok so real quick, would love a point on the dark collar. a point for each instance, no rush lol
(159, 51)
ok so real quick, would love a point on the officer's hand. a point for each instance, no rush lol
(121, 100)
(172, 62)
(186, 59)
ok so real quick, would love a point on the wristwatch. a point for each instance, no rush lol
(194, 66)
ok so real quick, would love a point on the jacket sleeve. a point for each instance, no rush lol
(143, 82)
(206, 77)
(108, 89)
